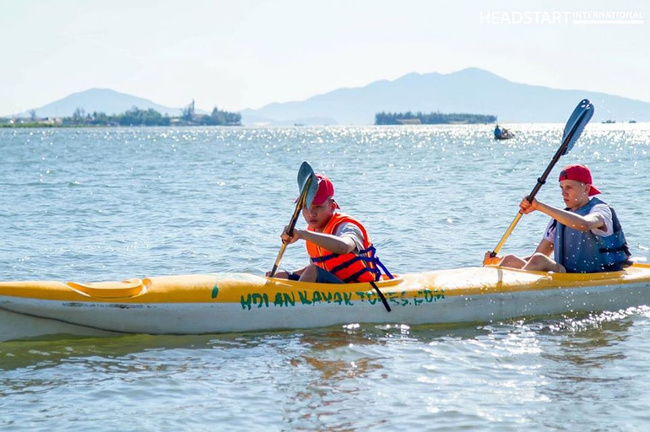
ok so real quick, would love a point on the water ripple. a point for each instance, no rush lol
(108, 204)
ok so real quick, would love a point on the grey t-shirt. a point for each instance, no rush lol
(601, 209)
(348, 229)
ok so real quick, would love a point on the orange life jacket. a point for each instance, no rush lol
(349, 267)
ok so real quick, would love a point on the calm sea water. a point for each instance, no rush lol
(109, 204)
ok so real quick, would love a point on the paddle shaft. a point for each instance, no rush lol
(278, 259)
(292, 225)
(540, 182)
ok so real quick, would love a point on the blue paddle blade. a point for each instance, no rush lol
(307, 183)
(311, 193)
(304, 173)
(576, 123)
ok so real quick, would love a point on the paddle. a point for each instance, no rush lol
(308, 185)
(572, 131)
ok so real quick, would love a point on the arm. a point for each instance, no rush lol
(544, 247)
(566, 218)
(335, 244)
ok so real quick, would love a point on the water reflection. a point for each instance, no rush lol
(583, 366)
(340, 378)
(50, 352)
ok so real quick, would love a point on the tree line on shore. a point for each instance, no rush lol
(390, 118)
(132, 117)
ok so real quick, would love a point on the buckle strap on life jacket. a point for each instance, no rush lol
(323, 258)
(371, 255)
(355, 277)
(367, 255)
(375, 260)
(346, 264)
(615, 249)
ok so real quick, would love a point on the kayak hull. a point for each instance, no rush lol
(219, 303)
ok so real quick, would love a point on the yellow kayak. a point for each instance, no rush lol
(238, 302)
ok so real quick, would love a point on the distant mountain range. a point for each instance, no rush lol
(99, 100)
(472, 91)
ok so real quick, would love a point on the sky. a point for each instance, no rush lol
(249, 53)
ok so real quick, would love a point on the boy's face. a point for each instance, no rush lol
(317, 216)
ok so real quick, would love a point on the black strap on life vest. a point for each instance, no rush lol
(381, 296)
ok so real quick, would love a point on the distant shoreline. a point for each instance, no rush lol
(36, 125)
(132, 117)
(436, 118)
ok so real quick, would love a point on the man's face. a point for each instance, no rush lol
(317, 216)
(574, 193)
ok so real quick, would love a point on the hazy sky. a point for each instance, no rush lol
(245, 54)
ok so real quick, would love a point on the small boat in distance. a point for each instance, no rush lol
(502, 133)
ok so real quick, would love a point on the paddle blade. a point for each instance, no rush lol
(311, 192)
(307, 184)
(576, 124)
(304, 173)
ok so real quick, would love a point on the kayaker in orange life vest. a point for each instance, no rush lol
(338, 245)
